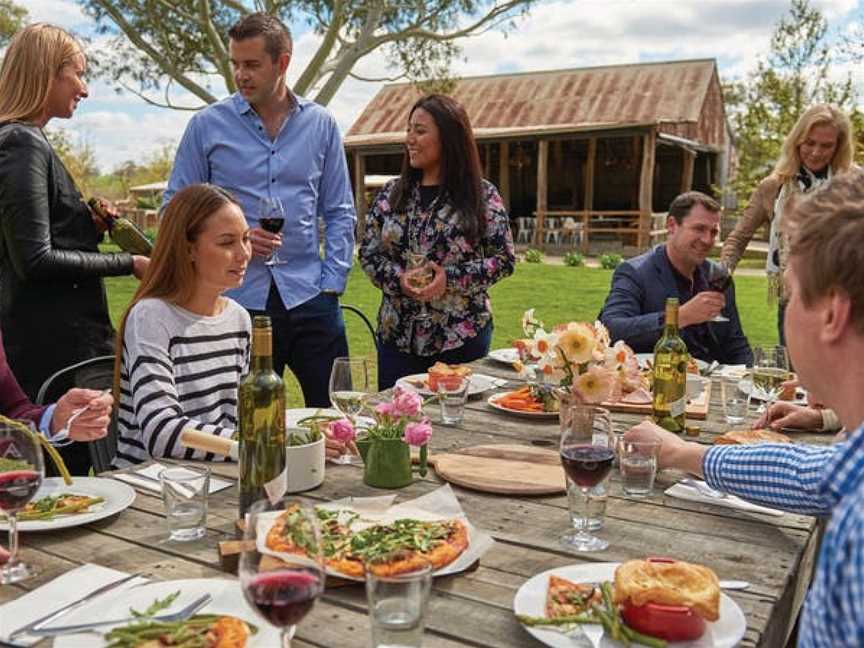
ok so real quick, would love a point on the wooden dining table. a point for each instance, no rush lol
(475, 608)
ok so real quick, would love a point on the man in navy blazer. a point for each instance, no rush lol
(635, 307)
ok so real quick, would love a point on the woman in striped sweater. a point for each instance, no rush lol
(182, 347)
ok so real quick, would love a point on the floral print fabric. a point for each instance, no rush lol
(464, 309)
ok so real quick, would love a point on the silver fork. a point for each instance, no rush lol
(703, 488)
(180, 615)
(78, 412)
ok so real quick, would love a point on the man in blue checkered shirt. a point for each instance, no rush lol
(824, 283)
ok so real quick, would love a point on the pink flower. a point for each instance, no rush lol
(418, 434)
(595, 385)
(341, 430)
(406, 402)
(384, 410)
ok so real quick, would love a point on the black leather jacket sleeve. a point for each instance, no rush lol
(41, 215)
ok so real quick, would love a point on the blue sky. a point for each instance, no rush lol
(557, 34)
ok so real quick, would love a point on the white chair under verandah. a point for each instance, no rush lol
(526, 229)
(552, 230)
(571, 231)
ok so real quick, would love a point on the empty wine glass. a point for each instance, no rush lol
(719, 277)
(587, 449)
(349, 390)
(770, 371)
(420, 276)
(21, 474)
(271, 217)
(283, 588)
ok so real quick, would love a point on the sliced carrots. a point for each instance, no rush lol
(520, 400)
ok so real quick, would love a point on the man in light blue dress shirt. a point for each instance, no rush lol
(265, 141)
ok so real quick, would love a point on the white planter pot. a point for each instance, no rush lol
(305, 465)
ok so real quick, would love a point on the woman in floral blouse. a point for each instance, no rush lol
(441, 208)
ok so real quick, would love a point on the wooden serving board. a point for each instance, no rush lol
(696, 409)
(508, 469)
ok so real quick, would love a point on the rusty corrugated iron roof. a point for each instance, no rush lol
(556, 100)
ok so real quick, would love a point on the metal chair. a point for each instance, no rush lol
(369, 327)
(95, 373)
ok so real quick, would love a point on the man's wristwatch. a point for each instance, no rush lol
(327, 291)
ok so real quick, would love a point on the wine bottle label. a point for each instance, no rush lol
(677, 408)
(277, 486)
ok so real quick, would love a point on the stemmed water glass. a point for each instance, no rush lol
(271, 217)
(21, 474)
(770, 371)
(420, 276)
(587, 449)
(719, 277)
(349, 390)
(282, 589)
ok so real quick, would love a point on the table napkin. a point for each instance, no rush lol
(152, 472)
(55, 594)
(690, 493)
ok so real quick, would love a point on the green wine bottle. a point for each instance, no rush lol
(670, 374)
(261, 422)
(123, 231)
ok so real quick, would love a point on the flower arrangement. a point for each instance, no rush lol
(400, 418)
(580, 356)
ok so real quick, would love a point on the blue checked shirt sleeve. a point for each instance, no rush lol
(336, 204)
(783, 476)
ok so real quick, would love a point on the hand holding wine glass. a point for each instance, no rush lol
(770, 371)
(271, 218)
(21, 474)
(282, 590)
(587, 449)
(719, 277)
(418, 275)
(349, 391)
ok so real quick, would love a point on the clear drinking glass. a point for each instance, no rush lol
(770, 371)
(349, 391)
(452, 395)
(735, 401)
(421, 277)
(590, 505)
(719, 277)
(184, 494)
(271, 218)
(21, 474)
(282, 590)
(637, 463)
(587, 448)
(397, 605)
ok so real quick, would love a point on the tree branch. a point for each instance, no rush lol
(392, 79)
(236, 6)
(152, 102)
(158, 58)
(312, 72)
(219, 51)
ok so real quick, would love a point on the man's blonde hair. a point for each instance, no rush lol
(788, 165)
(35, 56)
(828, 242)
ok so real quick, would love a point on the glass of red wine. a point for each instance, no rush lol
(282, 587)
(271, 218)
(587, 449)
(719, 277)
(21, 474)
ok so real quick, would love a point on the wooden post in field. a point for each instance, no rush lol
(360, 193)
(646, 186)
(687, 170)
(504, 173)
(542, 189)
(589, 191)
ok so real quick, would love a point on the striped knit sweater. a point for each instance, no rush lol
(179, 370)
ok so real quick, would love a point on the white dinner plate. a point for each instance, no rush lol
(746, 386)
(493, 402)
(726, 632)
(505, 356)
(644, 359)
(478, 384)
(118, 496)
(227, 599)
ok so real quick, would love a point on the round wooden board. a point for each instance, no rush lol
(507, 469)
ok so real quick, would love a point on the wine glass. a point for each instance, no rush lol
(421, 275)
(21, 474)
(282, 589)
(271, 217)
(349, 390)
(770, 371)
(587, 450)
(719, 277)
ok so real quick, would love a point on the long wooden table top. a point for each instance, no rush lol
(775, 554)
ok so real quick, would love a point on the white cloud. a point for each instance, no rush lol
(60, 12)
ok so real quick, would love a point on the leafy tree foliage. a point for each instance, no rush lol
(12, 18)
(161, 44)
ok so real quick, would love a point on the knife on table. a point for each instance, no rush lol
(70, 606)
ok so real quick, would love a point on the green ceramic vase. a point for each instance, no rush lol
(387, 463)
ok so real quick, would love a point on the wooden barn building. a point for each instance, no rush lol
(581, 156)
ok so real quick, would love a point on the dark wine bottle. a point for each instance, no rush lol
(123, 231)
(670, 374)
(261, 423)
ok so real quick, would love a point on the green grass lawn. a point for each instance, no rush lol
(558, 293)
